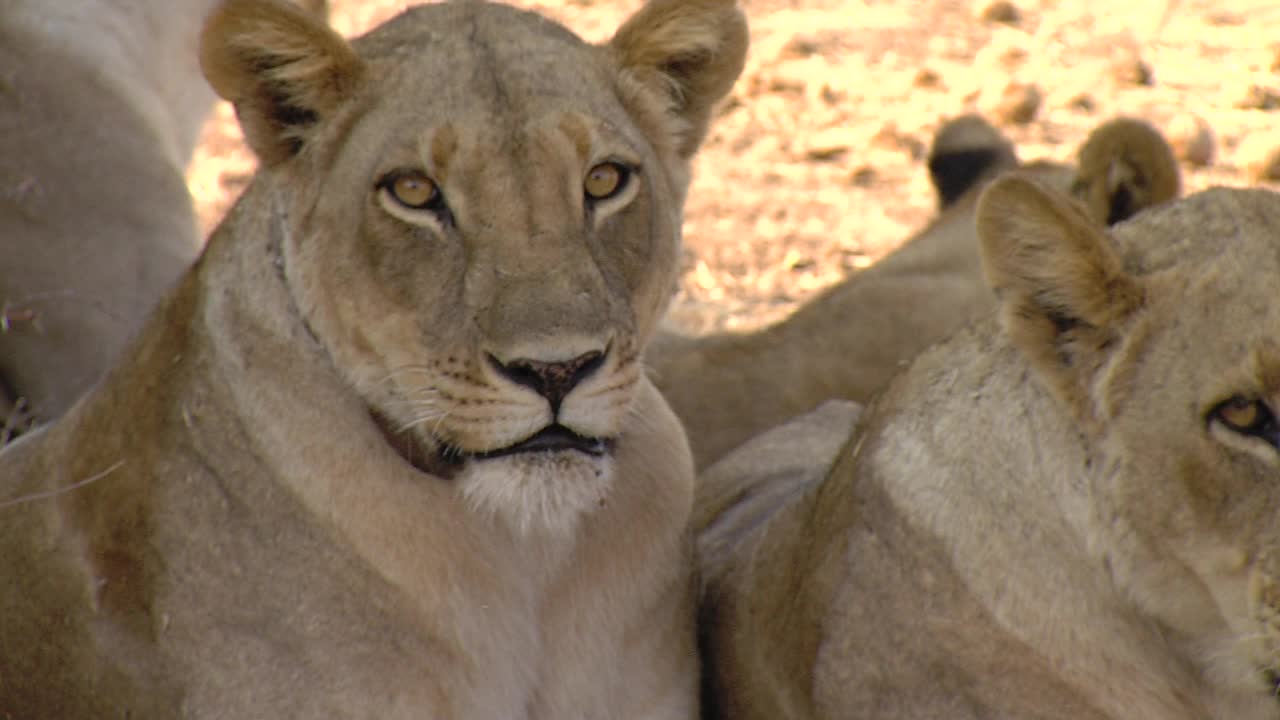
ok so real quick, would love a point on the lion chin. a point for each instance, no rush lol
(539, 490)
(546, 482)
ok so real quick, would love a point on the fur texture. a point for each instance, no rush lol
(101, 106)
(95, 220)
(387, 450)
(1066, 511)
(1125, 165)
(850, 340)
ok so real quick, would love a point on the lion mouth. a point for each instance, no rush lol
(446, 461)
(441, 463)
(553, 438)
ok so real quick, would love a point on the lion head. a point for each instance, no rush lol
(483, 253)
(1163, 346)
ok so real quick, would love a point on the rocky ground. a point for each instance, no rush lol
(814, 169)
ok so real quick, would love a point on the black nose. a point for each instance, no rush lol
(551, 380)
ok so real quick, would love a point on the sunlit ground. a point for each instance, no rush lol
(814, 169)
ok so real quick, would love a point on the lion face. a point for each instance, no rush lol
(1206, 489)
(1164, 341)
(480, 222)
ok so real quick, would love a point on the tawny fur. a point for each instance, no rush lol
(293, 509)
(851, 339)
(1047, 515)
(102, 103)
(1126, 165)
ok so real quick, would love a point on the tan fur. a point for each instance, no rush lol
(101, 104)
(852, 338)
(1046, 515)
(1125, 165)
(289, 513)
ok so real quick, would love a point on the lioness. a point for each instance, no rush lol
(387, 450)
(1071, 511)
(851, 339)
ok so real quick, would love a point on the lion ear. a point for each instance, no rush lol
(1063, 293)
(689, 51)
(282, 68)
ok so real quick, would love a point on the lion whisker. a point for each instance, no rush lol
(437, 418)
(34, 497)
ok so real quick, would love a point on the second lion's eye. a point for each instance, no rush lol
(412, 189)
(1245, 415)
(605, 180)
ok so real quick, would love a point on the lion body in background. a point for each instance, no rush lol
(100, 115)
(95, 219)
(847, 342)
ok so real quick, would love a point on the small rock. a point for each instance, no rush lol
(1259, 98)
(1013, 57)
(829, 144)
(825, 153)
(1133, 70)
(1223, 18)
(1259, 155)
(831, 96)
(1192, 140)
(864, 176)
(927, 78)
(889, 137)
(1019, 103)
(1084, 103)
(801, 47)
(1002, 11)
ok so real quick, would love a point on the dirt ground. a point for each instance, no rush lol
(814, 168)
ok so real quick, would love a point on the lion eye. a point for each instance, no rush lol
(605, 180)
(412, 189)
(1245, 416)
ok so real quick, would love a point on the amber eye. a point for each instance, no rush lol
(1245, 416)
(605, 180)
(412, 189)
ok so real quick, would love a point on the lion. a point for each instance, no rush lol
(101, 104)
(387, 449)
(1067, 509)
(851, 339)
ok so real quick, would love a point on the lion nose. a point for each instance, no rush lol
(551, 380)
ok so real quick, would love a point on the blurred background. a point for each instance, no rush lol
(815, 169)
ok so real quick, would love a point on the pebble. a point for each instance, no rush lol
(1192, 140)
(1133, 70)
(1259, 155)
(1003, 12)
(1260, 98)
(1019, 103)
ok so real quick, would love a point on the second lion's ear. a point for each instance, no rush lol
(282, 69)
(691, 52)
(1064, 295)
